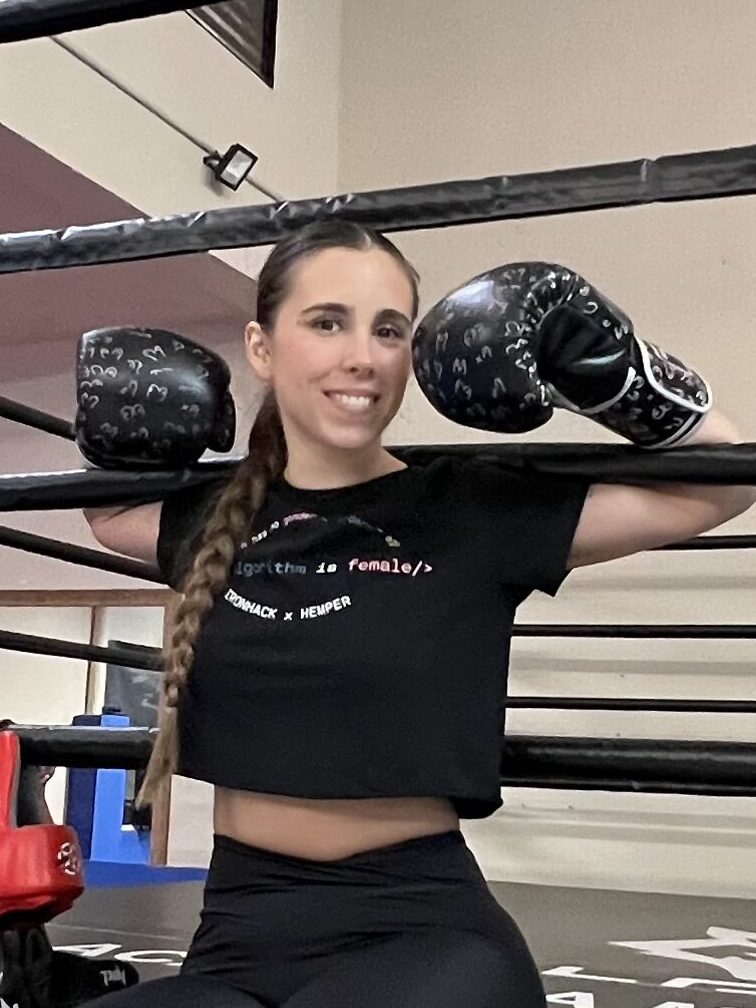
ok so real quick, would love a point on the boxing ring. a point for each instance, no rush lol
(577, 960)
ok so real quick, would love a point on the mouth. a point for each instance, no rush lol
(354, 402)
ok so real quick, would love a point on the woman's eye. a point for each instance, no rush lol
(390, 332)
(328, 325)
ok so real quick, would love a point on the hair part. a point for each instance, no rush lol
(242, 497)
(275, 276)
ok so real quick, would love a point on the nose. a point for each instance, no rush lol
(359, 353)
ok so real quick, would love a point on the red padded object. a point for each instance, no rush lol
(40, 866)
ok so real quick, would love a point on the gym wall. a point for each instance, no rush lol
(34, 683)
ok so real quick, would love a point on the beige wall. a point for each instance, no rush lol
(39, 689)
(434, 91)
(61, 679)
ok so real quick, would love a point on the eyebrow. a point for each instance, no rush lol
(341, 309)
(331, 306)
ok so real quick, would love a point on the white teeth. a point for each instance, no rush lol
(354, 402)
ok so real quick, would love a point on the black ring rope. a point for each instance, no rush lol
(694, 176)
(38, 419)
(637, 631)
(636, 765)
(144, 658)
(80, 555)
(149, 659)
(631, 704)
(30, 644)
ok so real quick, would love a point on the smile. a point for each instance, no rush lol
(353, 403)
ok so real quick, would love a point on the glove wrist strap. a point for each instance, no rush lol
(661, 404)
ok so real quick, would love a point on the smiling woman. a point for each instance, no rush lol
(357, 784)
(339, 367)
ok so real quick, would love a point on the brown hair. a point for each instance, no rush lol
(243, 496)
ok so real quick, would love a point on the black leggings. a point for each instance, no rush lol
(413, 925)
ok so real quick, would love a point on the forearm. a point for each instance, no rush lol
(716, 428)
(93, 514)
(725, 502)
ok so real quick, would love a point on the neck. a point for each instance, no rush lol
(315, 467)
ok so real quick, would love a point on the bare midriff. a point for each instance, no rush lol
(327, 829)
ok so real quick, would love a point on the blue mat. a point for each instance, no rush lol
(109, 874)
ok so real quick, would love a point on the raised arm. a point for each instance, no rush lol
(618, 520)
(509, 347)
(151, 399)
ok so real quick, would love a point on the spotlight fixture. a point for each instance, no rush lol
(232, 167)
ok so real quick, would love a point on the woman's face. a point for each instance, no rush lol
(339, 353)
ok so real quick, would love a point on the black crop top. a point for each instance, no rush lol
(360, 646)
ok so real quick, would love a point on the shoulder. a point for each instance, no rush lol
(194, 500)
(521, 523)
(492, 501)
(183, 518)
(484, 479)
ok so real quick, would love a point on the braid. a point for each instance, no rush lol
(229, 522)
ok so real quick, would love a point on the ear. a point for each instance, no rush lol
(257, 348)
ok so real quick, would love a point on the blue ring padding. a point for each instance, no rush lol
(95, 803)
(110, 875)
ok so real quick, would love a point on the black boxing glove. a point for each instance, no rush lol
(502, 351)
(149, 398)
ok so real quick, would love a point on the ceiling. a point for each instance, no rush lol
(195, 294)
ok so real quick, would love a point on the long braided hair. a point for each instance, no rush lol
(244, 494)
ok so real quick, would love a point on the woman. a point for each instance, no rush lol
(337, 664)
